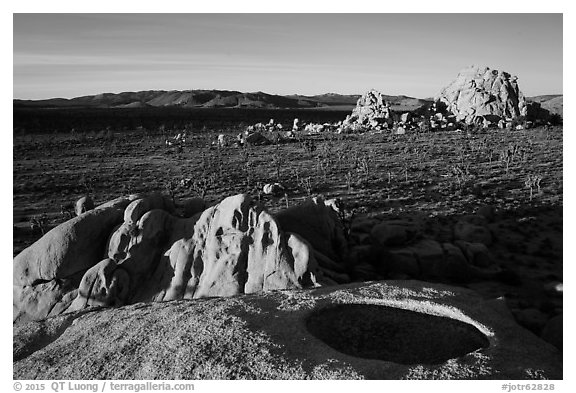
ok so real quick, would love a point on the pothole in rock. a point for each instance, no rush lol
(393, 334)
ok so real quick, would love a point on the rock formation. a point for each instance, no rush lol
(317, 221)
(46, 274)
(275, 189)
(480, 92)
(83, 205)
(397, 248)
(371, 110)
(382, 330)
(99, 284)
(257, 139)
(231, 248)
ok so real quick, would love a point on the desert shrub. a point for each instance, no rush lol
(531, 182)
(87, 183)
(306, 184)
(309, 145)
(39, 223)
(202, 185)
(278, 161)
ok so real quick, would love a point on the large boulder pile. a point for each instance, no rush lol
(372, 111)
(136, 249)
(381, 330)
(398, 248)
(480, 93)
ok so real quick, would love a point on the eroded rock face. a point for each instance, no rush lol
(379, 330)
(102, 285)
(46, 275)
(480, 93)
(234, 247)
(317, 221)
(70, 248)
(137, 250)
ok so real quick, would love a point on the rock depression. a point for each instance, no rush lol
(418, 331)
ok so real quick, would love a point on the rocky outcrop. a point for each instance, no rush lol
(393, 233)
(231, 248)
(553, 332)
(83, 205)
(398, 248)
(480, 93)
(471, 232)
(382, 330)
(46, 274)
(371, 110)
(317, 221)
(257, 139)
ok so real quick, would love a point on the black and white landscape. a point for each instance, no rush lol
(263, 196)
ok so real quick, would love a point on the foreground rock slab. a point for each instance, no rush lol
(381, 330)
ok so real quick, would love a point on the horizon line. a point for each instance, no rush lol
(243, 92)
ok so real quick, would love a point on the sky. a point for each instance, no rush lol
(70, 55)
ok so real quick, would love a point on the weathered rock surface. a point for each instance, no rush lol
(71, 247)
(382, 330)
(553, 331)
(46, 274)
(476, 253)
(472, 233)
(480, 92)
(231, 248)
(394, 232)
(102, 285)
(532, 318)
(258, 139)
(83, 205)
(316, 220)
(428, 259)
(191, 206)
(398, 248)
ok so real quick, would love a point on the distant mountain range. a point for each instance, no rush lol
(214, 99)
(236, 99)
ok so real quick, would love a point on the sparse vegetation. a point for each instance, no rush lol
(39, 223)
(436, 177)
(531, 182)
(438, 174)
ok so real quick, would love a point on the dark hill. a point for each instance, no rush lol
(210, 99)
